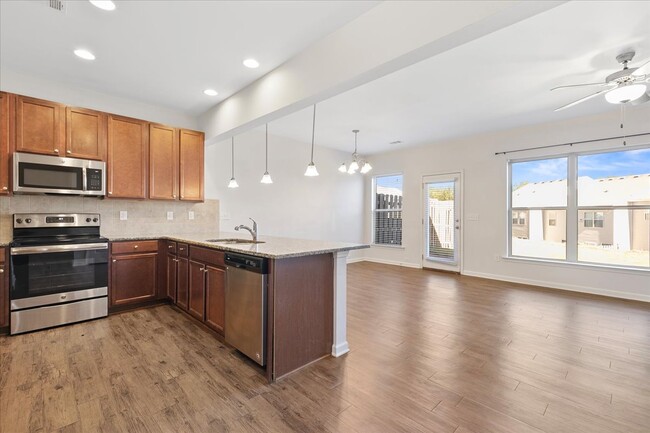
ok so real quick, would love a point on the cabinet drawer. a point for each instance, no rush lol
(183, 250)
(134, 247)
(171, 247)
(206, 255)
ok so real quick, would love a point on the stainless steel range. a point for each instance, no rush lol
(59, 271)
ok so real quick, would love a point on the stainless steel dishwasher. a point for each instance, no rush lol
(246, 278)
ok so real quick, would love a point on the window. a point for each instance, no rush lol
(387, 210)
(593, 219)
(605, 222)
(538, 190)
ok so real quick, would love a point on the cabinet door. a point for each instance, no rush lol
(171, 277)
(196, 306)
(191, 165)
(4, 296)
(40, 126)
(4, 143)
(133, 278)
(85, 133)
(215, 298)
(182, 292)
(127, 157)
(163, 162)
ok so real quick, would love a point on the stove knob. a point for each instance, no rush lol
(19, 221)
(88, 220)
(28, 220)
(95, 220)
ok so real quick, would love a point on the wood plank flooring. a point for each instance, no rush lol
(431, 352)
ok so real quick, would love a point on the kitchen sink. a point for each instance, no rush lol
(234, 241)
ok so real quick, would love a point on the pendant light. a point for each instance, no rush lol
(233, 183)
(267, 177)
(311, 168)
(356, 161)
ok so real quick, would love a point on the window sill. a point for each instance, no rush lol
(590, 266)
(395, 247)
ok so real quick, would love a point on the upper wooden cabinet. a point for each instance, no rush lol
(128, 141)
(5, 126)
(85, 133)
(40, 126)
(191, 165)
(163, 162)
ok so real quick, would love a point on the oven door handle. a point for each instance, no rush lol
(44, 249)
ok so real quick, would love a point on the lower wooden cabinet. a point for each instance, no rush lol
(196, 305)
(215, 298)
(172, 272)
(182, 289)
(133, 278)
(4, 291)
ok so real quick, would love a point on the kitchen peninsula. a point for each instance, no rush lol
(306, 289)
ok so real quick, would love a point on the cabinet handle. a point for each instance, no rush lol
(182, 249)
(2, 271)
(135, 247)
(202, 269)
(170, 246)
(68, 151)
(173, 195)
(56, 150)
(110, 192)
(114, 260)
(205, 270)
(4, 188)
(176, 260)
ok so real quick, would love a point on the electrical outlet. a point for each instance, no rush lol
(471, 217)
(497, 258)
(225, 215)
(190, 215)
(124, 215)
(170, 216)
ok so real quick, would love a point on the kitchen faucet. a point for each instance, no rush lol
(252, 231)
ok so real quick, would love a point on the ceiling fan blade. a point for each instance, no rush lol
(643, 69)
(571, 104)
(581, 85)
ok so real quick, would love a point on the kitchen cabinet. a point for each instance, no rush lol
(172, 275)
(215, 298)
(85, 134)
(5, 128)
(40, 126)
(191, 157)
(134, 269)
(196, 304)
(163, 162)
(128, 141)
(182, 283)
(4, 290)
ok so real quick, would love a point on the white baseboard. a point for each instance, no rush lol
(355, 259)
(565, 287)
(385, 262)
(340, 349)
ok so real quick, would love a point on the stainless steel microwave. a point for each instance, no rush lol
(55, 175)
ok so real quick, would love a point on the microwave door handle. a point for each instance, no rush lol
(85, 180)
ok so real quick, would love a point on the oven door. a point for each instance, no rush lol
(38, 271)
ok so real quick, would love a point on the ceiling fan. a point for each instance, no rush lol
(626, 85)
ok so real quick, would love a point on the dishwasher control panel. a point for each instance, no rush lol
(259, 265)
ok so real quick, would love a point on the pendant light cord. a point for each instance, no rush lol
(355, 141)
(313, 134)
(266, 166)
(232, 152)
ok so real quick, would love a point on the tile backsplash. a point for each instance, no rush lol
(144, 217)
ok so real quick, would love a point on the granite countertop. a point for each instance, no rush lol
(272, 247)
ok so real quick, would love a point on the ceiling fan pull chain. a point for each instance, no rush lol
(623, 122)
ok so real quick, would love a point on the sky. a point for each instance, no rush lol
(623, 163)
(394, 181)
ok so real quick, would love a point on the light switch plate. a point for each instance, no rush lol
(190, 215)
(123, 215)
(471, 217)
(170, 215)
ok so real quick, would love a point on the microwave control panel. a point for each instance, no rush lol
(93, 179)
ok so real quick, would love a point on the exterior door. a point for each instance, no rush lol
(442, 222)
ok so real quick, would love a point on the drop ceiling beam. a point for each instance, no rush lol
(387, 38)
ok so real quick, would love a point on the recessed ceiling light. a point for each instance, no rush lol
(210, 92)
(84, 54)
(251, 63)
(106, 5)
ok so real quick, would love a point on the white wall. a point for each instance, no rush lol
(485, 186)
(53, 90)
(327, 207)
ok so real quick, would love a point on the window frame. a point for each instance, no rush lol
(374, 211)
(572, 208)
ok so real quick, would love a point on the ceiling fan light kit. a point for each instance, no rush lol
(621, 87)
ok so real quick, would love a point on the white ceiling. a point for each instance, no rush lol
(164, 52)
(499, 81)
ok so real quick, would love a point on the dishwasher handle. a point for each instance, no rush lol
(259, 265)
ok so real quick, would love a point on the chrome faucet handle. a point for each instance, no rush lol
(254, 224)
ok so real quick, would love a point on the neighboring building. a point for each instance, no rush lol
(619, 228)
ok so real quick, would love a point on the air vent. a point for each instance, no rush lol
(57, 5)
